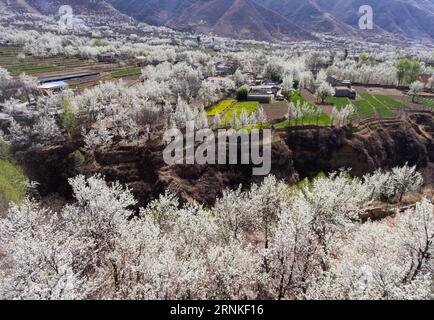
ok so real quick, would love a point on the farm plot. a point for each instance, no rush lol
(424, 101)
(220, 107)
(126, 73)
(370, 105)
(248, 106)
(322, 119)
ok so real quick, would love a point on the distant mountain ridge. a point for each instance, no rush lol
(51, 7)
(258, 19)
(412, 19)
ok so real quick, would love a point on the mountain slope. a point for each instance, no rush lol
(310, 15)
(256, 19)
(156, 12)
(409, 18)
(266, 19)
(238, 19)
(51, 7)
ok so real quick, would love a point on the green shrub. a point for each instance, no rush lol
(243, 93)
(295, 96)
(68, 119)
(78, 159)
(5, 153)
(13, 184)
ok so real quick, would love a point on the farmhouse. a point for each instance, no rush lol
(261, 98)
(140, 61)
(5, 118)
(271, 89)
(52, 86)
(216, 79)
(335, 82)
(4, 42)
(424, 78)
(345, 92)
(66, 77)
(224, 69)
(107, 58)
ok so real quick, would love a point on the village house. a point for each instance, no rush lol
(50, 87)
(107, 58)
(141, 61)
(344, 91)
(424, 78)
(335, 82)
(4, 42)
(224, 69)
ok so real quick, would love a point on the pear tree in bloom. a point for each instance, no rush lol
(430, 84)
(217, 121)
(288, 84)
(324, 91)
(393, 185)
(239, 78)
(382, 260)
(416, 88)
(244, 118)
(261, 116)
(342, 117)
(270, 242)
(305, 80)
(209, 92)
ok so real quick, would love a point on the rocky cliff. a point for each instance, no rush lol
(296, 154)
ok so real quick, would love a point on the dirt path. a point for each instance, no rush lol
(308, 96)
(276, 109)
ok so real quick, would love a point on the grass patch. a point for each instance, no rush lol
(382, 110)
(295, 96)
(323, 120)
(424, 101)
(31, 68)
(126, 73)
(249, 106)
(364, 108)
(338, 102)
(390, 102)
(385, 112)
(220, 107)
(12, 183)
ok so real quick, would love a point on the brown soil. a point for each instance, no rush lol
(296, 155)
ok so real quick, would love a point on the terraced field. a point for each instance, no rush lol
(249, 106)
(424, 101)
(220, 107)
(370, 105)
(36, 66)
(126, 73)
(61, 65)
(322, 120)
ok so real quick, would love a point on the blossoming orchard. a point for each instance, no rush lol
(143, 162)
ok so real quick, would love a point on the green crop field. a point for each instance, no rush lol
(249, 106)
(382, 109)
(390, 102)
(323, 119)
(220, 107)
(364, 108)
(31, 68)
(12, 183)
(424, 101)
(338, 102)
(370, 105)
(126, 73)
